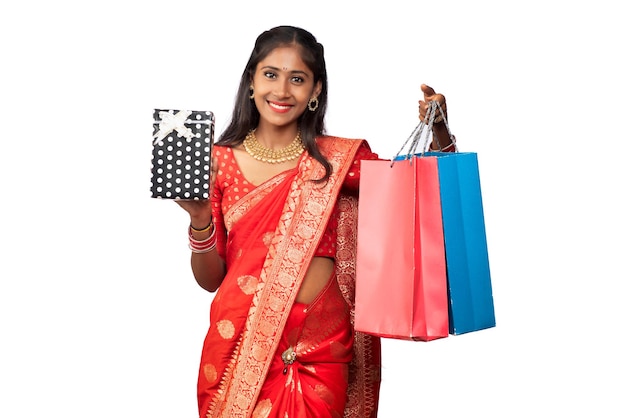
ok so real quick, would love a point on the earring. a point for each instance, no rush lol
(313, 104)
(251, 92)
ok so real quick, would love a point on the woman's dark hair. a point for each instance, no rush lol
(245, 114)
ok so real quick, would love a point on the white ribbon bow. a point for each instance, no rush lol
(172, 122)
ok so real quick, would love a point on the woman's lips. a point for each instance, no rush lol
(280, 107)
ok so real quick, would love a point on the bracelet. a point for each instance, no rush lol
(205, 229)
(202, 246)
(447, 147)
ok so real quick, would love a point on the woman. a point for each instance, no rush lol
(278, 244)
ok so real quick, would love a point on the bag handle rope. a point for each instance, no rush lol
(424, 130)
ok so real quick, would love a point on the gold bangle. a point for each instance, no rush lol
(205, 229)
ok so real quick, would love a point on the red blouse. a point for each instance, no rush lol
(233, 185)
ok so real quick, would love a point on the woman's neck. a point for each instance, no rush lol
(276, 137)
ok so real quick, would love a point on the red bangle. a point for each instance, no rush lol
(202, 246)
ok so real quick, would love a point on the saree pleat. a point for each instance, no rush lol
(315, 385)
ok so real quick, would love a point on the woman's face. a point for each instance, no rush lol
(283, 85)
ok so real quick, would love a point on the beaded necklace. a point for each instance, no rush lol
(268, 155)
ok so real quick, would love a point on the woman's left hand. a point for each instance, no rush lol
(444, 141)
(429, 96)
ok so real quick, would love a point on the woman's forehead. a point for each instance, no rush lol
(286, 58)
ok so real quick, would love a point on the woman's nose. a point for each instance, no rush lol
(281, 88)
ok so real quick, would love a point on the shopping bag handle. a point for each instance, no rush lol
(424, 130)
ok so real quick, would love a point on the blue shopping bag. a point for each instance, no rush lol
(470, 298)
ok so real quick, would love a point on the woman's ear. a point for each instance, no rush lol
(317, 89)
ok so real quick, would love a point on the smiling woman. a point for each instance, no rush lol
(283, 86)
(281, 226)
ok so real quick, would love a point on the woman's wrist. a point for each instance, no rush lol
(441, 137)
(201, 227)
(449, 146)
(203, 241)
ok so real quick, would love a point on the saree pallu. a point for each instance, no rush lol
(273, 232)
(251, 223)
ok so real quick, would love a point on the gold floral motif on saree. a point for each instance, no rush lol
(226, 329)
(210, 372)
(247, 284)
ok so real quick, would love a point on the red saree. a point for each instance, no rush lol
(272, 234)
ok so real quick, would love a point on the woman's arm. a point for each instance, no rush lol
(206, 237)
(209, 269)
(444, 142)
(207, 265)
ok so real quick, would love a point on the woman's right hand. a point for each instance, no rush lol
(200, 210)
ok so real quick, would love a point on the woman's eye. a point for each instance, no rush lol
(270, 74)
(297, 80)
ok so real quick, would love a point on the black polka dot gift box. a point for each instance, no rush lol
(181, 154)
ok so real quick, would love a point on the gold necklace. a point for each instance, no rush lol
(268, 155)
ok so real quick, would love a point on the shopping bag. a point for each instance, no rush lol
(401, 289)
(181, 154)
(470, 298)
(471, 306)
(469, 295)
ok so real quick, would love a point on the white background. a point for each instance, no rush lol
(99, 313)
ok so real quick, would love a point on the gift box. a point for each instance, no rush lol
(181, 154)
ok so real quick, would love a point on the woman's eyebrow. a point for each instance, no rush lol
(270, 67)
